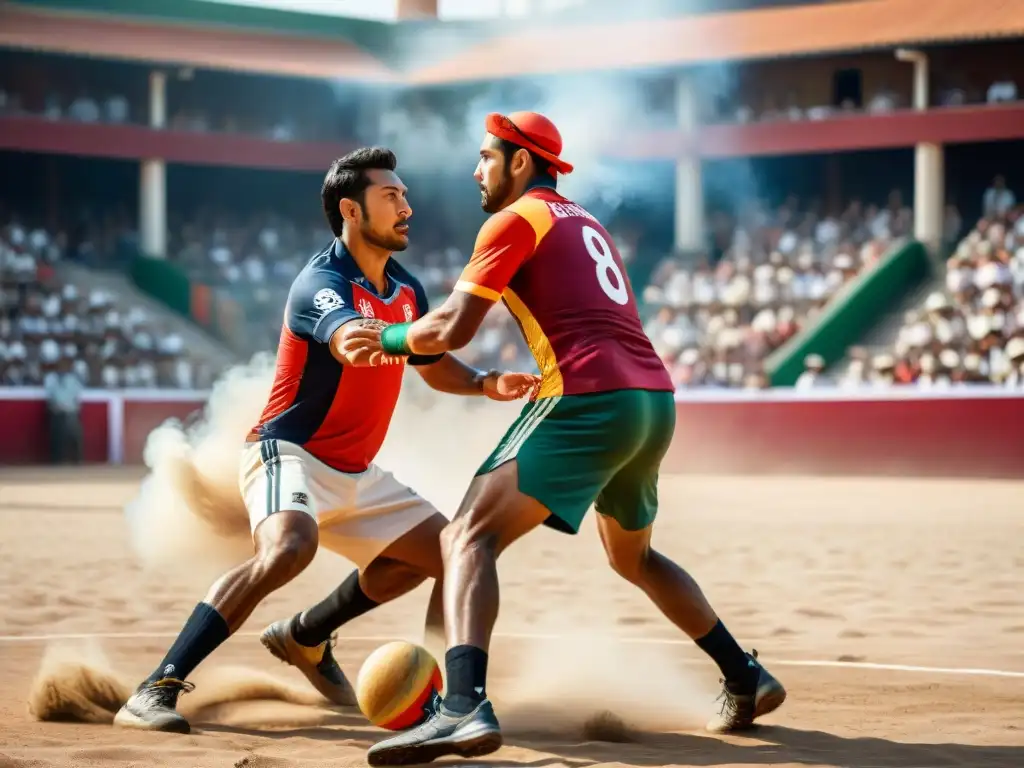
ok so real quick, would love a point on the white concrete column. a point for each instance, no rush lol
(157, 99)
(929, 194)
(153, 177)
(689, 207)
(929, 164)
(153, 208)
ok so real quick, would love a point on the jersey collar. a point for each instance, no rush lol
(540, 182)
(348, 267)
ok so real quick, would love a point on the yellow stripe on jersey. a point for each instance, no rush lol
(538, 343)
(477, 290)
(537, 213)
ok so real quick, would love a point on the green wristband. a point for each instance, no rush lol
(394, 341)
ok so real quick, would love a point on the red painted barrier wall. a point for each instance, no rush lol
(24, 427)
(142, 417)
(922, 436)
(963, 433)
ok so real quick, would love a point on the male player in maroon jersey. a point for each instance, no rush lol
(307, 473)
(596, 434)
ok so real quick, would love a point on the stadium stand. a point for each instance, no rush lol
(715, 325)
(49, 324)
(973, 331)
(170, 136)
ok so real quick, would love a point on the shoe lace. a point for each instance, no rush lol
(728, 700)
(730, 704)
(328, 665)
(165, 691)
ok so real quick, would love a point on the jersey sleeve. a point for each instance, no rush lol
(505, 242)
(422, 307)
(319, 304)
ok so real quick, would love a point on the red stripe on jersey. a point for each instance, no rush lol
(291, 362)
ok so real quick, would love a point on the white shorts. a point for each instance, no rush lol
(359, 515)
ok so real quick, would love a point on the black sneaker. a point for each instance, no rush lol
(316, 663)
(739, 711)
(472, 735)
(152, 707)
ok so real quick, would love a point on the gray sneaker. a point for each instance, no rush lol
(472, 735)
(317, 663)
(152, 707)
(739, 711)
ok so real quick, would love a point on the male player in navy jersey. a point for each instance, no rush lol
(307, 473)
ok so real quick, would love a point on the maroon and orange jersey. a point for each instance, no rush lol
(560, 275)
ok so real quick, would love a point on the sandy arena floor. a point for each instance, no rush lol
(922, 574)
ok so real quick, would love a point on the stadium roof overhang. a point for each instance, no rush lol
(721, 37)
(282, 43)
(62, 29)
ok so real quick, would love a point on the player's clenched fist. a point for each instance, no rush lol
(510, 386)
(358, 344)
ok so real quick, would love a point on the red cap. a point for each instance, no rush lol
(531, 131)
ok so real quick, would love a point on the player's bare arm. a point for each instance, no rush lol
(505, 242)
(450, 326)
(452, 376)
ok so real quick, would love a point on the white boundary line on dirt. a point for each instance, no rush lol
(956, 671)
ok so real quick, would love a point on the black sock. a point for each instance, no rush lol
(202, 633)
(466, 679)
(312, 627)
(740, 675)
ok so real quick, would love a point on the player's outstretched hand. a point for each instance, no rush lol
(360, 344)
(510, 386)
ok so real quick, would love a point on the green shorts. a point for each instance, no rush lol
(603, 449)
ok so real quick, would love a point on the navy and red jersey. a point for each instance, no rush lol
(339, 414)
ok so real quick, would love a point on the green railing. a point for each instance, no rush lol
(165, 281)
(212, 309)
(851, 314)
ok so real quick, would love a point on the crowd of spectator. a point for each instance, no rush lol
(254, 260)
(959, 92)
(60, 89)
(88, 91)
(50, 326)
(973, 331)
(714, 326)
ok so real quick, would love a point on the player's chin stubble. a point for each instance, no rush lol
(391, 241)
(490, 202)
(493, 201)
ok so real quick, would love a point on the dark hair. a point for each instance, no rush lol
(346, 178)
(541, 167)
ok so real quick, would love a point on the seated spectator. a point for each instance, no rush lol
(857, 373)
(973, 332)
(814, 365)
(1003, 90)
(47, 325)
(998, 200)
(779, 272)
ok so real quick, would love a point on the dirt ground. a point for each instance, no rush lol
(823, 577)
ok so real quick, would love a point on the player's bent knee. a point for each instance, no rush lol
(285, 546)
(420, 548)
(628, 552)
(628, 565)
(467, 531)
(493, 514)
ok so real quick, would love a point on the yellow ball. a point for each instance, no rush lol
(395, 685)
